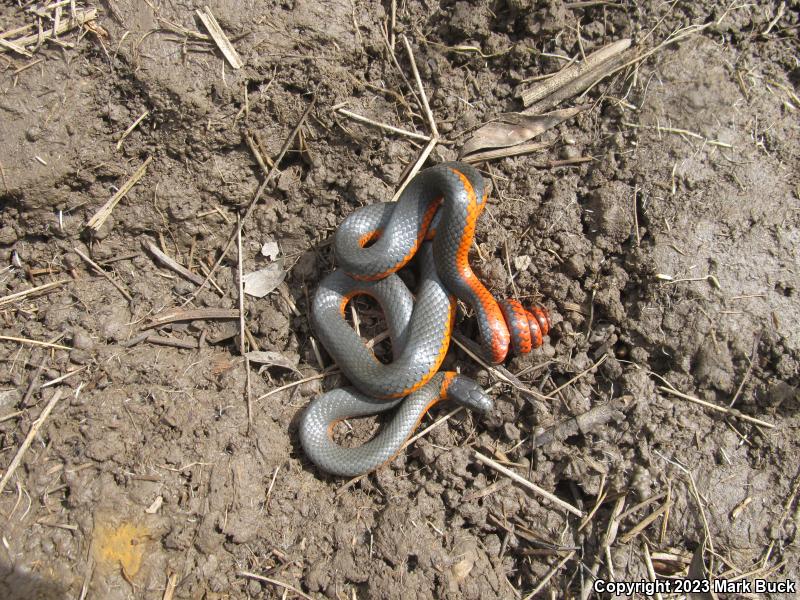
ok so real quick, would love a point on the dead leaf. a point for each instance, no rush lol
(220, 364)
(522, 262)
(262, 282)
(270, 249)
(463, 567)
(153, 508)
(269, 358)
(511, 129)
(697, 570)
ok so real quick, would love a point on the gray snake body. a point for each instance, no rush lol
(370, 246)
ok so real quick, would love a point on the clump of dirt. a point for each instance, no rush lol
(668, 263)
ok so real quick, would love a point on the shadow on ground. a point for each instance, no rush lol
(18, 585)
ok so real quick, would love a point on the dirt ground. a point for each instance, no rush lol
(669, 263)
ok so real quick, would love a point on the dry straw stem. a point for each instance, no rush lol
(651, 572)
(679, 131)
(644, 523)
(699, 500)
(272, 484)
(35, 427)
(33, 63)
(518, 529)
(172, 584)
(261, 158)
(695, 494)
(10, 416)
(601, 497)
(288, 386)
(205, 271)
(605, 547)
(431, 427)
(315, 349)
(636, 216)
(589, 3)
(489, 489)
(101, 272)
(195, 314)
(361, 119)
(668, 279)
(33, 384)
(65, 376)
(531, 486)
(425, 105)
(77, 19)
(286, 586)
(465, 49)
(9, 338)
(40, 288)
(172, 342)
(6, 45)
(101, 215)
(181, 30)
(549, 575)
(778, 16)
(170, 263)
(760, 573)
(749, 370)
(87, 576)
(132, 126)
(219, 37)
(786, 508)
(505, 152)
(16, 31)
(583, 373)
(284, 294)
(67, 526)
(434, 139)
(665, 520)
(499, 371)
(723, 409)
(417, 166)
(242, 339)
(572, 72)
(390, 49)
(579, 84)
(642, 504)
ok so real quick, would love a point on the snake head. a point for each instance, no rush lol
(468, 393)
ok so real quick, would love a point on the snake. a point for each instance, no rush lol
(434, 220)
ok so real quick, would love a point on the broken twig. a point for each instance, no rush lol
(531, 486)
(196, 314)
(723, 409)
(40, 288)
(101, 272)
(219, 37)
(572, 72)
(103, 213)
(170, 263)
(35, 427)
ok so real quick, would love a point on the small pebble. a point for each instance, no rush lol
(82, 340)
(511, 431)
(570, 152)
